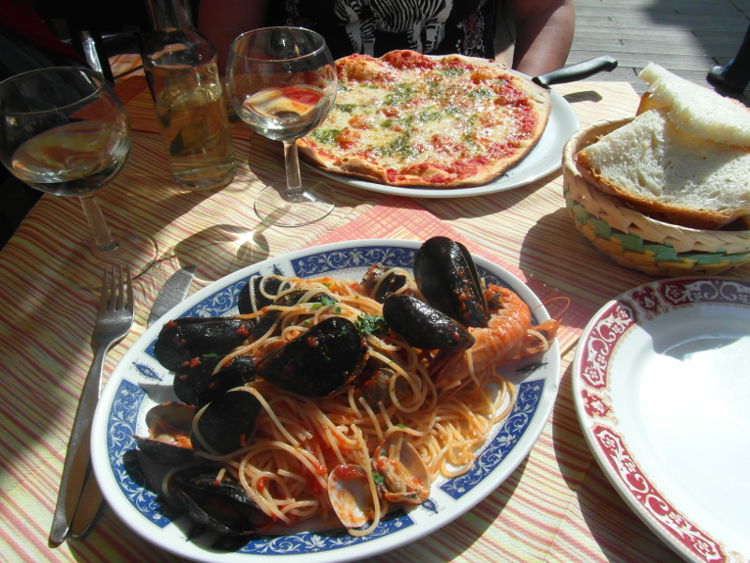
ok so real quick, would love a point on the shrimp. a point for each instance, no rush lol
(509, 335)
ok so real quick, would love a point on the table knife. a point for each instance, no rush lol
(576, 72)
(172, 293)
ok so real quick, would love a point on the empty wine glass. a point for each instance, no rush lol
(282, 82)
(64, 131)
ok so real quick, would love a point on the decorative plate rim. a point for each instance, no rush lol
(599, 418)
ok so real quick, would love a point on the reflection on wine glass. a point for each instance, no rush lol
(282, 82)
(64, 131)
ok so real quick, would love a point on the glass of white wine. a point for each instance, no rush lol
(282, 82)
(63, 131)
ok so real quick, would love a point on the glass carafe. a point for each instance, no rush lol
(183, 76)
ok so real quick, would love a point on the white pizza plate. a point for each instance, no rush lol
(139, 382)
(542, 160)
(661, 386)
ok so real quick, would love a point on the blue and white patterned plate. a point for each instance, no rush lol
(139, 382)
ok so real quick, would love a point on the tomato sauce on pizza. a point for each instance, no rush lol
(407, 119)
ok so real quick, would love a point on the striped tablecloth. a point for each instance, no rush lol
(557, 505)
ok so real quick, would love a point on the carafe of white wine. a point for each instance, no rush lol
(183, 76)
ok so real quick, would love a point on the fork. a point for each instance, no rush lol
(114, 319)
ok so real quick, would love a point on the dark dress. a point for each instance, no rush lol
(374, 27)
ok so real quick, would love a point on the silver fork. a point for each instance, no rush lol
(114, 319)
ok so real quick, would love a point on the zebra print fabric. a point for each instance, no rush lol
(374, 27)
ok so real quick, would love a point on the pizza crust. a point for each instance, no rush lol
(408, 119)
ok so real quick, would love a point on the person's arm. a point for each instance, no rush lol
(544, 34)
(223, 20)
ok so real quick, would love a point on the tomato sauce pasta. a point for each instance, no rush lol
(445, 406)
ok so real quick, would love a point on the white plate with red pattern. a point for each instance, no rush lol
(661, 382)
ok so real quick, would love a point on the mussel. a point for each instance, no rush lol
(188, 337)
(213, 499)
(379, 282)
(288, 299)
(227, 423)
(374, 384)
(168, 441)
(319, 361)
(195, 382)
(424, 326)
(447, 277)
(259, 292)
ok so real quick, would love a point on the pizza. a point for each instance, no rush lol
(408, 119)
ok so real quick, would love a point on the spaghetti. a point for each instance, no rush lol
(444, 407)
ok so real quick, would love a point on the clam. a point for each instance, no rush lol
(349, 493)
(405, 476)
(401, 475)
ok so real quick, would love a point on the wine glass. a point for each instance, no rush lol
(63, 131)
(282, 82)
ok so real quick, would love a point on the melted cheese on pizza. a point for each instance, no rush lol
(435, 122)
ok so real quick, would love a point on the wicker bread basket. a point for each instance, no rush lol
(635, 240)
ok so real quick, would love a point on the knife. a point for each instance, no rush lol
(576, 71)
(172, 293)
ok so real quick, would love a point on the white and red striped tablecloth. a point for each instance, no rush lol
(556, 506)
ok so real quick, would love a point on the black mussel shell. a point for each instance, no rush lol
(222, 506)
(288, 299)
(196, 384)
(192, 377)
(423, 326)
(319, 361)
(227, 423)
(240, 370)
(447, 277)
(252, 297)
(188, 337)
(379, 285)
(169, 426)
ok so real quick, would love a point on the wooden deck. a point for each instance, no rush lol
(687, 37)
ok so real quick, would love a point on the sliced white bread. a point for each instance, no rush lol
(696, 109)
(670, 174)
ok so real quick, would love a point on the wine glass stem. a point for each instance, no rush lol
(99, 229)
(293, 178)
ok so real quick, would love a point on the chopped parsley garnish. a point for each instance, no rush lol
(471, 142)
(453, 71)
(481, 93)
(400, 146)
(386, 123)
(400, 93)
(434, 89)
(325, 136)
(326, 301)
(429, 115)
(371, 324)
(377, 477)
(348, 108)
